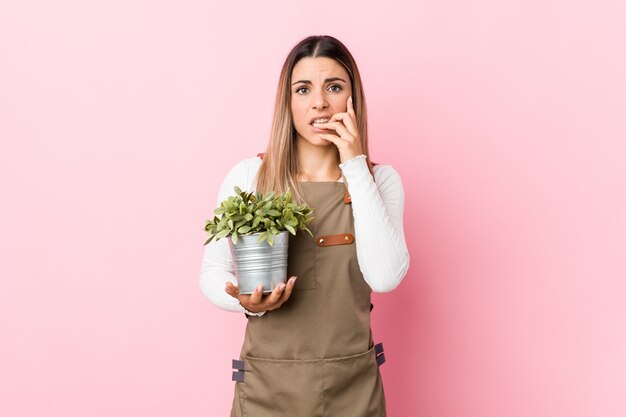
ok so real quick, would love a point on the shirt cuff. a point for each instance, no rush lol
(355, 170)
(250, 313)
(349, 161)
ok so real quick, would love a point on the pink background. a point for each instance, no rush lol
(119, 119)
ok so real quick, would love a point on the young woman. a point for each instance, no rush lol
(308, 349)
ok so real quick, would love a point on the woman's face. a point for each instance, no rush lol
(320, 87)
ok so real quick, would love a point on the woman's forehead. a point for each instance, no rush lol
(313, 69)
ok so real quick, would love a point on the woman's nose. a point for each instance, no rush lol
(319, 100)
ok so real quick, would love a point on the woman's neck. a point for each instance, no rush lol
(318, 163)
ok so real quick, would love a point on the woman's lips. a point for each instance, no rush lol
(318, 129)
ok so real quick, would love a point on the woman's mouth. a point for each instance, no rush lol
(316, 124)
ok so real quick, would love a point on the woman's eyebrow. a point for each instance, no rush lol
(327, 80)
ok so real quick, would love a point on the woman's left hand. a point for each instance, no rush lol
(349, 141)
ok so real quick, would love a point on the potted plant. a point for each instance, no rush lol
(257, 227)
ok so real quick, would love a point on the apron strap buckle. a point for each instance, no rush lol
(380, 356)
(238, 375)
(238, 364)
(380, 359)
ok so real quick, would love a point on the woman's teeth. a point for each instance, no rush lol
(319, 121)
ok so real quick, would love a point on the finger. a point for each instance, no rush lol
(232, 290)
(338, 127)
(288, 289)
(333, 138)
(351, 108)
(347, 120)
(255, 298)
(275, 295)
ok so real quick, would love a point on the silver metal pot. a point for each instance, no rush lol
(260, 263)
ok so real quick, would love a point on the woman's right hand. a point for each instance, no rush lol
(257, 301)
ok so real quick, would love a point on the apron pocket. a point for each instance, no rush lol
(277, 387)
(353, 386)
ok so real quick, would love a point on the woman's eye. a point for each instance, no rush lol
(338, 87)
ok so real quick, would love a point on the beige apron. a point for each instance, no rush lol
(315, 355)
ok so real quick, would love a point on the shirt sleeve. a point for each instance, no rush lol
(377, 207)
(217, 263)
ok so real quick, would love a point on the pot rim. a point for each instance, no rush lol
(258, 233)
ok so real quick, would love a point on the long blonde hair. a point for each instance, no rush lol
(280, 165)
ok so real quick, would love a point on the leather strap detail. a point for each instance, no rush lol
(378, 348)
(238, 376)
(332, 240)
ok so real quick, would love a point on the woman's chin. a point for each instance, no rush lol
(316, 141)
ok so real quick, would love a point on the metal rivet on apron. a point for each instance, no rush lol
(321, 240)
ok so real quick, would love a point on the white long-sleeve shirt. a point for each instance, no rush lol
(377, 208)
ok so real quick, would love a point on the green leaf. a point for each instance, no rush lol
(262, 237)
(253, 212)
(244, 229)
(222, 234)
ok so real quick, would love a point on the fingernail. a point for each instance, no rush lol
(350, 99)
(281, 286)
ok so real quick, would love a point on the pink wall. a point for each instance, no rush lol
(505, 120)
